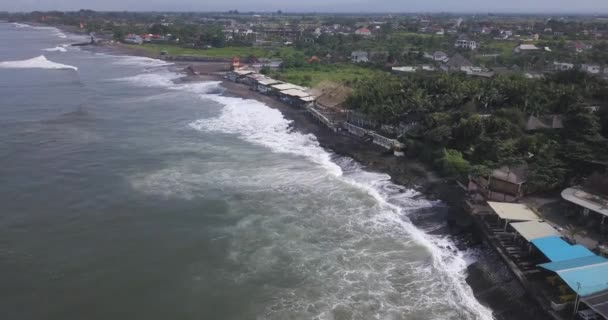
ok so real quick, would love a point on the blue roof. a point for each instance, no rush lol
(586, 280)
(556, 249)
(573, 263)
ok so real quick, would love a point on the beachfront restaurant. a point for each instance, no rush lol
(263, 84)
(531, 230)
(296, 97)
(252, 79)
(276, 89)
(238, 75)
(581, 271)
(508, 212)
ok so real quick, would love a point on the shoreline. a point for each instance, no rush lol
(492, 283)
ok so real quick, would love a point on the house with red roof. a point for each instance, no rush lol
(363, 32)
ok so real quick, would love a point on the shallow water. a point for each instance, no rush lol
(127, 195)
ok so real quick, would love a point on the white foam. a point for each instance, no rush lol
(156, 79)
(21, 25)
(138, 61)
(39, 62)
(56, 49)
(255, 122)
(56, 31)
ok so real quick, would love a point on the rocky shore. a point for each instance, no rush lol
(492, 282)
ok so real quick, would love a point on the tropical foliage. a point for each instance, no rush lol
(461, 123)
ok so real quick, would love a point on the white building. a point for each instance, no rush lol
(562, 66)
(466, 44)
(359, 56)
(133, 39)
(406, 69)
(526, 48)
(591, 68)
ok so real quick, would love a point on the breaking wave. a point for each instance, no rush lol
(164, 79)
(56, 49)
(420, 285)
(21, 25)
(138, 61)
(40, 62)
(56, 32)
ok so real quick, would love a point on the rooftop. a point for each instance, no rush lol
(556, 249)
(513, 211)
(296, 93)
(531, 230)
(586, 200)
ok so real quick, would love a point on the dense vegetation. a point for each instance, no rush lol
(464, 125)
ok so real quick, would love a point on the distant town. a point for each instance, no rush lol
(512, 108)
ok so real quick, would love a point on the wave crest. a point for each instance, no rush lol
(56, 49)
(40, 62)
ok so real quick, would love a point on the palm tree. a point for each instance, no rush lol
(573, 231)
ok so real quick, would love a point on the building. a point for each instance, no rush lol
(591, 68)
(363, 32)
(263, 85)
(523, 48)
(440, 56)
(586, 202)
(133, 39)
(359, 57)
(503, 184)
(298, 97)
(562, 66)
(406, 69)
(238, 75)
(545, 122)
(466, 43)
(456, 63)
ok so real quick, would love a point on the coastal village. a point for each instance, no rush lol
(551, 232)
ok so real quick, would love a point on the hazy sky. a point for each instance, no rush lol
(536, 6)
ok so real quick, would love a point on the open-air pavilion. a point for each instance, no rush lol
(513, 212)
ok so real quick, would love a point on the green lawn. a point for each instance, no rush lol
(310, 76)
(505, 48)
(226, 52)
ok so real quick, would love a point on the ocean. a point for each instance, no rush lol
(127, 194)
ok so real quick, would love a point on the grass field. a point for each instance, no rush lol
(404, 34)
(226, 52)
(311, 75)
(505, 48)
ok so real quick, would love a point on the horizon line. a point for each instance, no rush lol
(362, 12)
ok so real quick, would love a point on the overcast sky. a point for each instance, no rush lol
(533, 6)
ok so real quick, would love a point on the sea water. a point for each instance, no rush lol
(127, 194)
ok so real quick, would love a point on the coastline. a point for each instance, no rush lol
(492, 283)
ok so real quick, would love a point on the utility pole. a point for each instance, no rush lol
(577, 300)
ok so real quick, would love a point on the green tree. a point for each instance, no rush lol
(453, 164)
